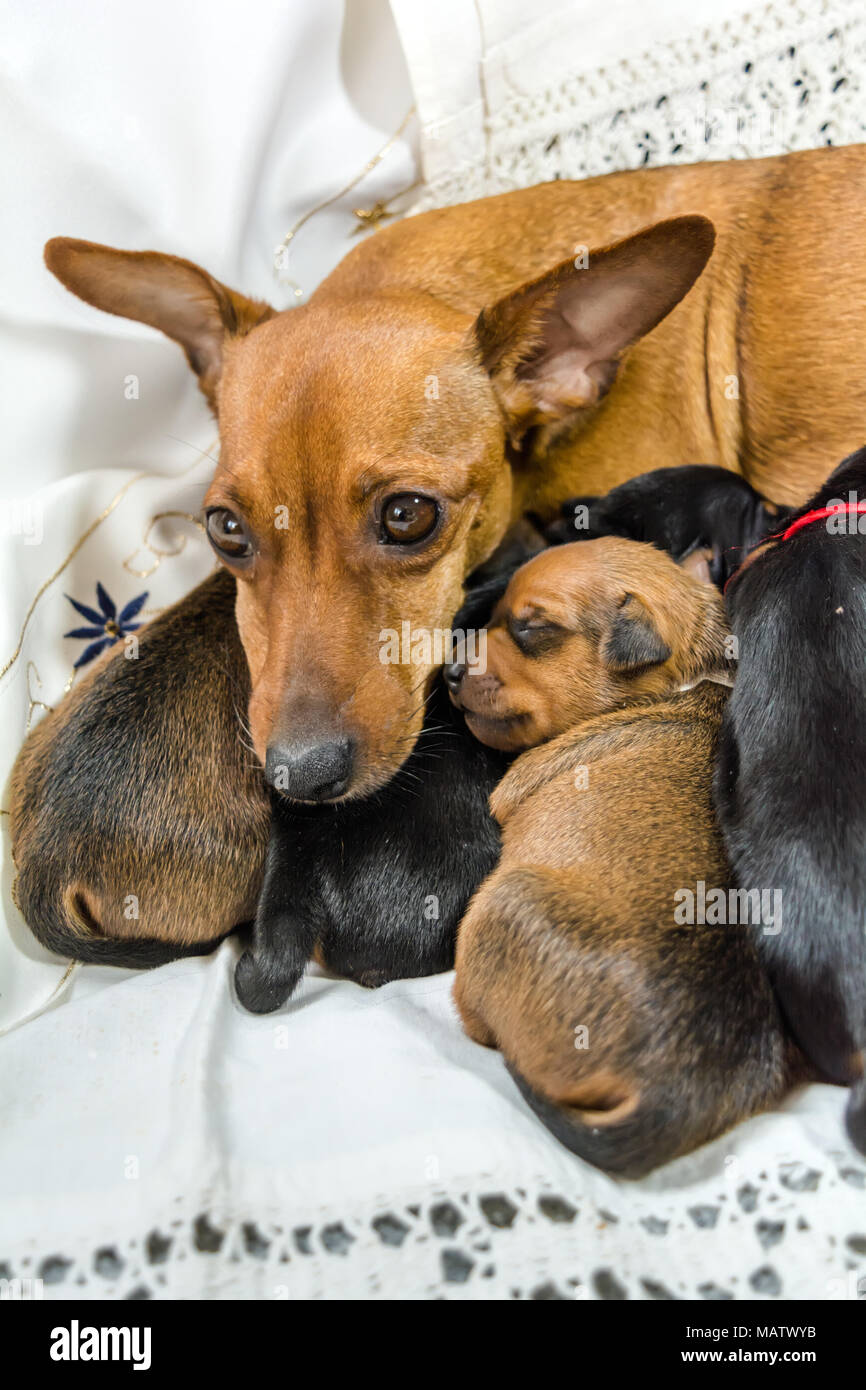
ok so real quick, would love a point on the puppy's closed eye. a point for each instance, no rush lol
(534, 636)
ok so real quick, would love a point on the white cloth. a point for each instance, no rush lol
(154, 1139)
(364, 1128)
(199, 130)
(510, 94)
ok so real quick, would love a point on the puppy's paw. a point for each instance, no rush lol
(367, 976)
(373, 979)
(258, 990)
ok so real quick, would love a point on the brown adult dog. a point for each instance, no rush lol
(635, 1037)
(466, 364)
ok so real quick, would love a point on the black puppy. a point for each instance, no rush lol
(694, 507)
(376, 888)
(791, 771)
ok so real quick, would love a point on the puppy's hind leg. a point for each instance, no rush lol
(285, 931)
(623, 1136)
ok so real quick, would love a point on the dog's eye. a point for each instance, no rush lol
(534, 637)
(228, 534)
(408, 517)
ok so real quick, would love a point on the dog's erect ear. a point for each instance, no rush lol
(633, 641)
(553, 346)
(168, 293)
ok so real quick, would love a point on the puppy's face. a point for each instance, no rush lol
(583, 629)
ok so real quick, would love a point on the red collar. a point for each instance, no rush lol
(808, 519)
(820, 514)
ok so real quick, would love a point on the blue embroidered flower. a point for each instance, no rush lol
(108, 626)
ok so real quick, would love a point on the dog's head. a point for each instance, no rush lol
(367, 446)
(583, 629)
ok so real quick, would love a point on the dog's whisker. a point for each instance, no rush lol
(202, 453)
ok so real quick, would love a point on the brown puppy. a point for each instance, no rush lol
(470, 363)
(583, 629)
(139, 820)
(635, 1030)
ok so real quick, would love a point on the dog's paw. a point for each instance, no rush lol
(258, 992)
(373, 979)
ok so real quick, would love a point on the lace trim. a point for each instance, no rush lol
(788, 1235)
(787, 77)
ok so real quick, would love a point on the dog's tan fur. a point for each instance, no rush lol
(465, 356)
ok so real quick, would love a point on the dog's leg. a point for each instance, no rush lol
(287, 924)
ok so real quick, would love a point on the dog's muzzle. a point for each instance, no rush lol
(317, 771)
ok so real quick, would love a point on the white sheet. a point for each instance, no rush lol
(154, 1139)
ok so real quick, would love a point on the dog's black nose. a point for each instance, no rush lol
(454, 674)
(311, 771)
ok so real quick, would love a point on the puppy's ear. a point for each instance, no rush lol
(553, 346)
(633, 642)
(167, 293)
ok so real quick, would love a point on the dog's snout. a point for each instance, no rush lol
(311, 771)
(454, 674)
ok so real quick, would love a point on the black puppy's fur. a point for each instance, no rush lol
(693, 507)
(376, 888)
(791, 773)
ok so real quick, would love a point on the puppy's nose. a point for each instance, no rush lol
(454, 674)
(311, 771)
